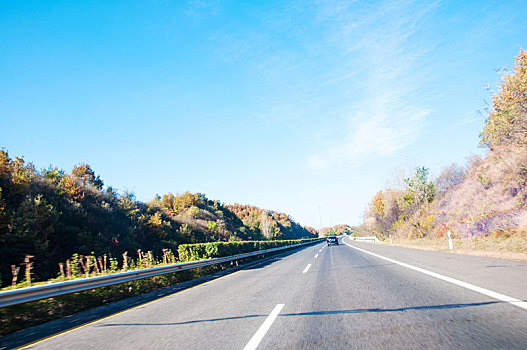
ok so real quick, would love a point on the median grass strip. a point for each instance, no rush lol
(22, 316)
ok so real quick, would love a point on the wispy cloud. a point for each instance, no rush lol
(386, 42)
(351, 73)
(378, 135)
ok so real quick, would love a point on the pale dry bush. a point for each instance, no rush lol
(370, 224)
(392, 209)
(491, 199)
(450, 177)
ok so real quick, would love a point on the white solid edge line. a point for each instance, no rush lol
(495, 295)
(316, 256)
(260, 333)
(307, 268)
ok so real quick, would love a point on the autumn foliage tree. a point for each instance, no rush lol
(85, 175)
(507, 119)
(51, 215)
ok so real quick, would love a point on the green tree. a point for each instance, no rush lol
(418, 189)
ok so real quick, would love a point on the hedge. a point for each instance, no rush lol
(199, 251)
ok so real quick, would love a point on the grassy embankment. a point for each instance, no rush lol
(512, 248)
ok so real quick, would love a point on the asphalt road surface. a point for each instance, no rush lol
(333, 297)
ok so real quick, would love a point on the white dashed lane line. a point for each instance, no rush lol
(307, 268)
(260, 333)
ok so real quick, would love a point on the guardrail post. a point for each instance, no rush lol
(29, 267)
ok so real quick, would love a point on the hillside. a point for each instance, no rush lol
(50, 215)
(270, 224)
(338, 230)
(486, 198)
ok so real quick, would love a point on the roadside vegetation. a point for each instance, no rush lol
(25, 315)
(483, 202)
(338, 230)
(49, 216)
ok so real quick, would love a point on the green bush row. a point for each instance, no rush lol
(199, 251)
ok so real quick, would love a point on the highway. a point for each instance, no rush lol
(328, 298)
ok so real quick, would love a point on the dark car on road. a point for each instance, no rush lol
(332, 240)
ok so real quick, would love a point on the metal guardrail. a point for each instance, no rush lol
(23, 295)
(368, 238)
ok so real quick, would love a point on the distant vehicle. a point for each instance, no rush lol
(332, 240)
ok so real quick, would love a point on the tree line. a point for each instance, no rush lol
(49, 215)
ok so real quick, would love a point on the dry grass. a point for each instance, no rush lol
(492, 197)
(511, 248)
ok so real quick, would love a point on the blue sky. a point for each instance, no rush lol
(287, 105)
